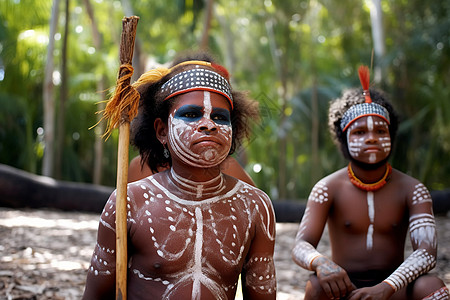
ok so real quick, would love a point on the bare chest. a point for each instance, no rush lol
(174, 240)
(361, 212)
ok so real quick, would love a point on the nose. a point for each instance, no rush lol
(371, 138)
(206, 124)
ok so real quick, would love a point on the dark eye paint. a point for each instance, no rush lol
(221, 116)
(189, 113)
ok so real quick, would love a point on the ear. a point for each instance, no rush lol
(161, 130)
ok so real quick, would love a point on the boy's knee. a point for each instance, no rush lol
(313, 289)
(425, 286)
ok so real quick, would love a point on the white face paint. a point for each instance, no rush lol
(200, 131)
(369, 139)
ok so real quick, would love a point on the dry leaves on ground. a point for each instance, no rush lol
(44, 255)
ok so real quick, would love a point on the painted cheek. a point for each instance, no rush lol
(182, 132)
(354, 146)
(386, 144)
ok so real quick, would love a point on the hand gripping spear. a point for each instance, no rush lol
(121, 108)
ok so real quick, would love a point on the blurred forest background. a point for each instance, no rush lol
(59, 58)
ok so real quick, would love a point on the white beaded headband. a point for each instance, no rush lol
(197, 79)
(361, 110)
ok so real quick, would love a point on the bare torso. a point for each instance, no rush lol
(367, 229)
(367, 232)
(185, 249)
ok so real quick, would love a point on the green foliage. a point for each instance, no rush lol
(285, 53)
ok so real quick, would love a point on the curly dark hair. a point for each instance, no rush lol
(349, 98)
(152, 106)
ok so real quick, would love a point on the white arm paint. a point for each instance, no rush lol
(418, 263)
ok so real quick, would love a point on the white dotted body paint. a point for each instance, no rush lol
(102, 260)
(182, 133)
(304, 252)
(262, 278)
(441, 294)
(319, 193)
(212, 235)
(418, 263)
(421, 195)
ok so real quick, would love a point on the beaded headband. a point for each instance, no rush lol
(198, 79)
(368, 108)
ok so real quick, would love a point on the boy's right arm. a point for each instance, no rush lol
(101, 276)
(333, 279)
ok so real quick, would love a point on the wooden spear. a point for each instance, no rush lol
(120, 110)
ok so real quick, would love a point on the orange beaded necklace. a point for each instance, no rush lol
(370, 187)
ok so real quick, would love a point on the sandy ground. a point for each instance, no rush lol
(44, 254)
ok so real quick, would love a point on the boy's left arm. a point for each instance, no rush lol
(423, 236)
(258, 274)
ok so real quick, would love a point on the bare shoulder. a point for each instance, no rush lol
(336, 178)
(404, 179)
(332, 182)
(412, 187)
(252, 192)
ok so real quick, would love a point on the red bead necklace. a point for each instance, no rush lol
(370, 187)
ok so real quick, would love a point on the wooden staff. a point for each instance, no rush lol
(120, 110)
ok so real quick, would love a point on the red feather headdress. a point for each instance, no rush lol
(364, 77)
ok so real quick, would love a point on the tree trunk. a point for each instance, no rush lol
(281, 125)
(228, 43)
(204, 43)
(376, 18)
(101, 86)
(61, 132)
(315, 162)
(48, 97)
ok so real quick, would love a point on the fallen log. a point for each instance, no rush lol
(20, 189)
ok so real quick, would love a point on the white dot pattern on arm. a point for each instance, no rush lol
(418, 263)
(421, 194)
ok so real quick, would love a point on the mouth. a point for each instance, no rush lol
(372, 150)
(207, 140)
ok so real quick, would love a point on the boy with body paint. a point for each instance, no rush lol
(192, 230)
(369, 208)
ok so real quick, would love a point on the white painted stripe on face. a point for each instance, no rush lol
(207, 104)
(370, 123)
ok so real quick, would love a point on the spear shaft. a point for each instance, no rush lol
(129, 25)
